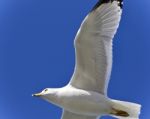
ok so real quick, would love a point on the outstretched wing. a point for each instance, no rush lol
(93, 46)
(69, 115)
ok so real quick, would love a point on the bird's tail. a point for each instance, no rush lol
(125, 110)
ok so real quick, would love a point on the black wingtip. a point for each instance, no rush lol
(100, 2)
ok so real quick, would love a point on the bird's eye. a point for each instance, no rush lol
(45, 90)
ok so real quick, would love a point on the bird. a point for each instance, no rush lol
(85, 96)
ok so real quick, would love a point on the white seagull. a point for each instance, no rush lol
(85, 97)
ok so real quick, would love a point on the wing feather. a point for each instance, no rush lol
(93, 47)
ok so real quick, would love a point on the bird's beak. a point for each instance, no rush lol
(37, 95)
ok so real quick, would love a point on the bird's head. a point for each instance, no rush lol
(43, 93)
(48, 94)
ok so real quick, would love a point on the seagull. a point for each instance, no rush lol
(85, 96)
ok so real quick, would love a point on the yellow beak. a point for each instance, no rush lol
(37, 95)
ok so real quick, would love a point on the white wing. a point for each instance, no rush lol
(94, 47)
(69, 115)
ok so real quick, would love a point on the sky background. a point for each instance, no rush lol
(36, 51)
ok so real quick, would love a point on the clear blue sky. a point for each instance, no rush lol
(36, 51)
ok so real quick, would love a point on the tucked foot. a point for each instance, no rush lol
(119, 113)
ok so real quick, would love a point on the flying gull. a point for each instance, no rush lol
(85, 97)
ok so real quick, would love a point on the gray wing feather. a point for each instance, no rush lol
(93, 47)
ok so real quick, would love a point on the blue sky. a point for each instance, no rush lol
(36, 51)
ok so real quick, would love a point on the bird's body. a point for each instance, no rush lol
(77, 101)
(85, 97)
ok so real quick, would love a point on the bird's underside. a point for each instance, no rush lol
(70, 115)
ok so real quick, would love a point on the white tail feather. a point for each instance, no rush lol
(132, 109)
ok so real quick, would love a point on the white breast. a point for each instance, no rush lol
(84, 102)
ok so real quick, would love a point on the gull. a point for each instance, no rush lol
(85, 96)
